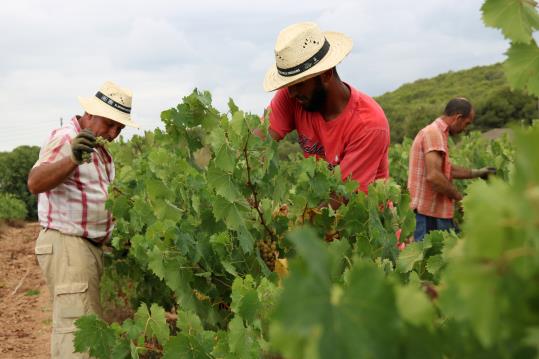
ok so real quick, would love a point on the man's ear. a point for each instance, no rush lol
(326, 76)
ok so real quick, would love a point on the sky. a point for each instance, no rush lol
(53, 51)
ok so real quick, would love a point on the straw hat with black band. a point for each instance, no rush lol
(112, 102)
(303, 51)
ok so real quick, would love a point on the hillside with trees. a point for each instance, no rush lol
(413, 105)
(14, 195)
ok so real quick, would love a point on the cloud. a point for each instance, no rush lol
(56, 50)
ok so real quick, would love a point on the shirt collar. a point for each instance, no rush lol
(75, 123)
(442, 125)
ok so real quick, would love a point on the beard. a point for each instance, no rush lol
(317, 98)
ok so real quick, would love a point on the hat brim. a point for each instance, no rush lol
(340, 47)
(96, 107)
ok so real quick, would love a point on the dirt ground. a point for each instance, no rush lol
(25, 309)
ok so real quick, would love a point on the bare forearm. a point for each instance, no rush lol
(442, 185)
(49, 175)
(461, 172)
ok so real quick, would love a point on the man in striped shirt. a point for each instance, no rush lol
(72, 176)
(431, 172)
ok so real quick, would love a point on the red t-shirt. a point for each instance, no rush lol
(357, 140)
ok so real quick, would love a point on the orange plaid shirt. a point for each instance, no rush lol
(423, 198)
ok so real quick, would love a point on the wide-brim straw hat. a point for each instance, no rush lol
(303, 51)
(112, 102)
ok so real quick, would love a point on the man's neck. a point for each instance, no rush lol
(338, 95)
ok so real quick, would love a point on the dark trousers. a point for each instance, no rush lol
(425, 224)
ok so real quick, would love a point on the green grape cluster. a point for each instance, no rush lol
(268, 252)
(86, 157)
(101, 141)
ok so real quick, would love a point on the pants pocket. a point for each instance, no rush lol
(70, 303)
(43, 254)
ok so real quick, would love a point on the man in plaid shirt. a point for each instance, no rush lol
(72, 176)
(431, 172)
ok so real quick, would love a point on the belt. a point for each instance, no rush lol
(94, 241)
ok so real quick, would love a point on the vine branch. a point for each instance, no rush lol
(250, 184)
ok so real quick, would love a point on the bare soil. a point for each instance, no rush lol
(25, 307)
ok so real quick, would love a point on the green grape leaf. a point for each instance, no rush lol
(472, 293)
(229, 267)
(314, 252)
(157, 189)
(231, 213)
(217, 139)
(141, 317)
(248, 307)
(169, 269)
(516, 18)
(121, 350)
(522, 67)
(532, 338)
(223, 184)
(412, 254)
(189, 322)
(435, 263)
(153, 322)
(184, 347)
(158, 324)
(241, 340)
(488, 232)
(238, 122)
(132, 328)
(94, 336)
(134, 350)
(121, 207)
(414, 306)
(225, 159)
(246, 240)
(314, 318)
(232, 106)
(245, 298)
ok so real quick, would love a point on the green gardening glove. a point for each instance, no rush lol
(83, 144)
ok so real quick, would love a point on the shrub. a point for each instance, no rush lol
(11, 208)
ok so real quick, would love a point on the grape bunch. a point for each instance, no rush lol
(332, 235)
(101, 141)
(86, 157)
(268, 251)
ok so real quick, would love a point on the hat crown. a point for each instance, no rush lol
(297, 43)
(116, 93)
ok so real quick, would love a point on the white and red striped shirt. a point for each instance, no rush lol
(77, 206)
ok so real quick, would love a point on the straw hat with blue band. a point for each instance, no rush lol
(112, 102)
(303, 51)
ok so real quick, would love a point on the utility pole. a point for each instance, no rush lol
(61, 122)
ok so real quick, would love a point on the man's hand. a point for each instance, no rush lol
(484, 172)
(83, 143)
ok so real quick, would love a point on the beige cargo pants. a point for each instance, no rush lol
(72, 268)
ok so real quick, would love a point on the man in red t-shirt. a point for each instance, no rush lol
(333, 120)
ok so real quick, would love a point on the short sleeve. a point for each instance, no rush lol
(281, 113)
(364, 157)
(433, 141)
(57, 147)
